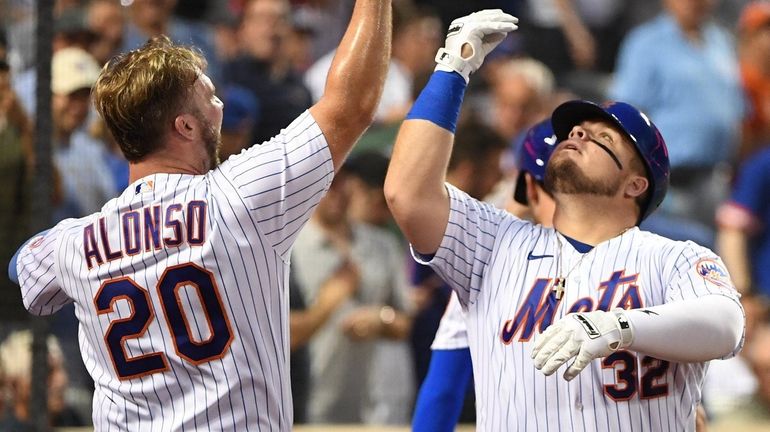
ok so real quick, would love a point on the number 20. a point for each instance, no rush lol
(134, 326)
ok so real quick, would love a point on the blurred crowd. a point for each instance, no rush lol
(363, 313)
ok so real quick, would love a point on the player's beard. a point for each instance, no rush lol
(212, 140)
(565, 176)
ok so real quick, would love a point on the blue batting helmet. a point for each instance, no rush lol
(637, 127)
(532, 155)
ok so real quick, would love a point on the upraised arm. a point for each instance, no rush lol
(414, 187)
(355, 80)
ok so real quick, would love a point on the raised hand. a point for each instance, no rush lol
(471, 38)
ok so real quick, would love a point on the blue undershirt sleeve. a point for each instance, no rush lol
(441, 395)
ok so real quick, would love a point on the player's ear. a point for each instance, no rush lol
(184, 125)
(636, 186)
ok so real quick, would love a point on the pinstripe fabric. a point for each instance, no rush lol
(452, 331)
(485, 256)
(254, 205)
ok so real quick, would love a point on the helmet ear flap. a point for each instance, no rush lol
(520, 191)
(532, 155)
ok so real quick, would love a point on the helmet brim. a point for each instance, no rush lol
(572, 113)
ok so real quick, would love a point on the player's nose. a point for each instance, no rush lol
(578, 133)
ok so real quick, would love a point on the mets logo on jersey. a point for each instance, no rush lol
(714, 272)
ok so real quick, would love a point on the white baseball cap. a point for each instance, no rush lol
(73, 69)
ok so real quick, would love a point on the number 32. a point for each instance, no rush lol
(649, 385)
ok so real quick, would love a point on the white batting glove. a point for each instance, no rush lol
(482, 31)
(585, 336)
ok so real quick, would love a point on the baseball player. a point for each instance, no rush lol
(443, 390)
(180, 283)
(628, 319)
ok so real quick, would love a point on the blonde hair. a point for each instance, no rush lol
(139, 93)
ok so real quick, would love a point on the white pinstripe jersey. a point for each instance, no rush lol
(503, 270)
(452, 331)
(180, 286)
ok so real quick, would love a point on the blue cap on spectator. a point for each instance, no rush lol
(240, 106)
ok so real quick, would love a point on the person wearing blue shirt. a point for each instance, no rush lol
(743, 238)
(681, 69)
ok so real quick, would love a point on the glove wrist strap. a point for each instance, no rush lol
(453, 62)
(624, 326)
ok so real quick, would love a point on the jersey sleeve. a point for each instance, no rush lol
(282, 180)
(41, 290)
(452, 331)
(698, 272)
(466, 248)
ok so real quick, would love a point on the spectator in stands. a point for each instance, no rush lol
(148, 18)
(521, 90)
(681, 69)
(240, 113)
(70, 30)
(754, 57)
(391, 377)
(367, 178)
(16, 359)
(264, 68)
(115, 162)
(86, 186)
(20, 31)
(16, 167)
(744, 226)
(304, 322)
(326, 19)
(450, 10)
(343, 352)
(4, 48)
(299, 45)
(107, 22)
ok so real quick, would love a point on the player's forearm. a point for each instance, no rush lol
(732, 246)
(414, 186)
(356, 77)
(696, 330)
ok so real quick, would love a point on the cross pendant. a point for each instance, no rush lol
(559, 288)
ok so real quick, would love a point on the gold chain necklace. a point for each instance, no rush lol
(561, 282)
